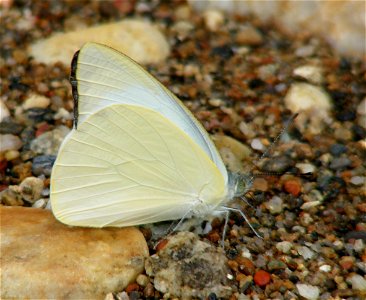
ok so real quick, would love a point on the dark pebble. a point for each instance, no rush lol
(8, 126)
(357, 235)
(134, 295)
(344, 64)
(224, 51)
(17, 84)
(346, 115)
(43, 165)
(212, 296)
(27, 135)
(277, 164)
(38, 115)
(337, 149)
(256, 83)
(340, 163)
(359, 133)
(276, 265)
(232, 253)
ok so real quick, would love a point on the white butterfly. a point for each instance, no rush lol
(137, 155)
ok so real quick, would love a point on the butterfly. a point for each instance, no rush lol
(136, 154)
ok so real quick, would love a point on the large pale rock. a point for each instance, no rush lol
(44, 259)
(140, 40)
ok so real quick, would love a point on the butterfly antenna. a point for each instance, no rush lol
(269, 149)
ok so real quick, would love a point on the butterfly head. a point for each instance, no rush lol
(239, 184)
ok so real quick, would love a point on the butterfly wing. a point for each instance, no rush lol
(128, 165)
(104, 76)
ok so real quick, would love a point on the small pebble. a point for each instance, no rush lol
(343, 134)
(293, 187)
(43, 165)
(63, 114)
(31, 189)
(256, 144)
(305, 252)
(248, 35)
(276, 265)
(305, 51)
(309, 205)
(361, 108)
(260, 184)
(338, 149)
(36, 101)
(9, 142)
(40, 203)
(339, 163)
(4, 111)
(142, 280)
(9, 126)
(325, 268)
(262, 278)
(311, 73)
(213, 19)
(304, 96)
(284, 246)
(357, 281)
(275, 205)
(305, 167)
(308, 291)
(11, 198)
(12, 154)
(347, 262)
(49, 142)
(358, 180)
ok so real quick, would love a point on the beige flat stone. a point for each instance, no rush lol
(44, 259)
(138, 39)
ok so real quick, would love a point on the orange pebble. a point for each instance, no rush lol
(262, 278)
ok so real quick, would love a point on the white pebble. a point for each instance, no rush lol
(63, 114)
(325, 268)
(305, 252)
(304, 96)
(311, 73)
(305, 51)
(36, 101)
(275, 205)
(357, 281)
(213, 19)
(310, 204)
(41, 203)
(361, 108)
(9, 142)
(357, 180)
(308, 291)
(4, 111)
(305, 167)
(257, 145)
(284, 246)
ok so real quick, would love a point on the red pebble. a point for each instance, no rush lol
(293, 187)
(161, 245)
(132, 287)
(42, 129)
(262, 278)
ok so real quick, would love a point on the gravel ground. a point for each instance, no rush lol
(236, 75)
